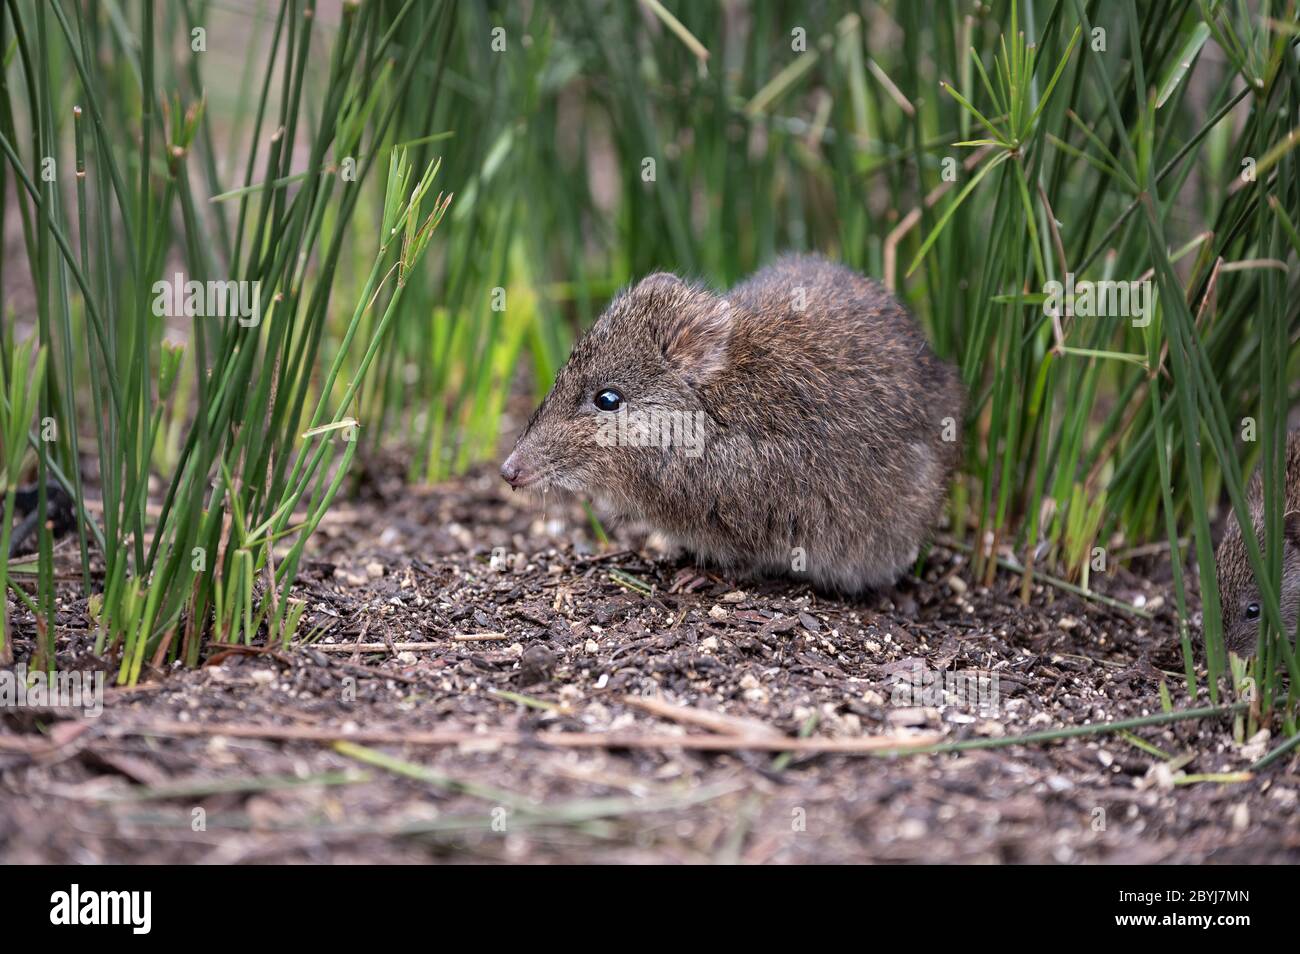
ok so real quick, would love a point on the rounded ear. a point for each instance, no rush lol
(695, 336)
(692, 324)
(1291, 528)
(659, 284)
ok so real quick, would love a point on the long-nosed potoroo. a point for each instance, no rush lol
(798, 424)
(1238, 592)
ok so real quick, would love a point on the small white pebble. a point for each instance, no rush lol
(1286, 797)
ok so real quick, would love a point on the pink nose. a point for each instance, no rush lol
(513, 471)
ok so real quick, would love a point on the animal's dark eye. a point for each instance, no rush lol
(1252, 611)
(608, 400)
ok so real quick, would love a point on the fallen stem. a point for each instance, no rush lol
(571, 740)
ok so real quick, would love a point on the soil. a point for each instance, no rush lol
(455, 750)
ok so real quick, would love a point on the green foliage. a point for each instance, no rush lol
(243, 477)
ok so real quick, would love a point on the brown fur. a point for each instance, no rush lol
(1237, 587)
(823, 426)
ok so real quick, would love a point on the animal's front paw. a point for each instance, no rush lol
(691, 578)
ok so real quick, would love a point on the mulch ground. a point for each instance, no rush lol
(508, 692)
